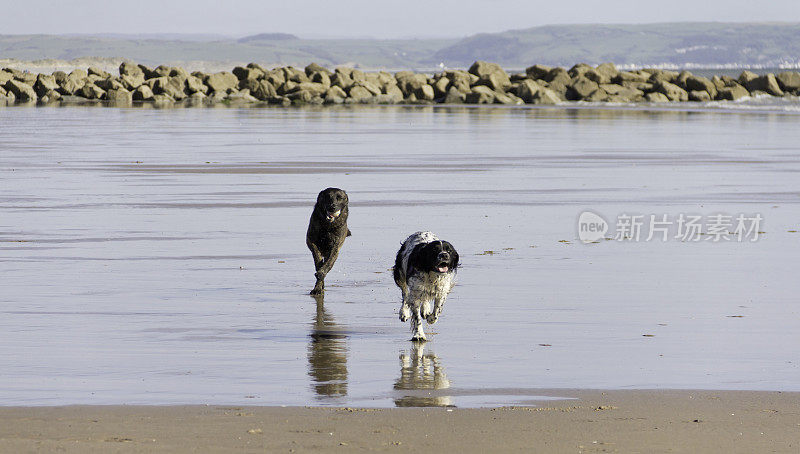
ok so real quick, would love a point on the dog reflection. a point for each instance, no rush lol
(327, 355)
(421, 372)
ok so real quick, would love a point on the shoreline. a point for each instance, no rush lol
(482, 83)
(598, 421)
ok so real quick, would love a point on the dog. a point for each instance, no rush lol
(327, 230)
(425, 271)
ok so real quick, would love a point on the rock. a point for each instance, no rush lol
(335, 91)
(241, 96)
(507, 99)
(559, 81)
(295, 75)
(193, 85)
(93, 70)
(732, 93)
(109, 84)
(371, 87)
(670, 90)
(480, 94)
(321, 78)
(341, 80)
(745, 77)
(315, 68)
(221, 82)
(162, 99)
(661, 75)
(5, 76)
(161, 71)
(130, 69)
(579, 70)
(359, 94)
(73, 82)
(410, 82)
(50, 96)
(257, 66)
(700, 95)
(729, 81)
(484, 70)
(595, 76)
(789, 81)
(440, 87)
(275, 77)
(718, 83)
(358, 76)
(119, 97)
(545, 96)
(424, 93)
(619, 93)
(609, 70)
(695, 83)
(454, 96)
(767, 83)
(22, 91)
(143, 93)
(44, 84)
(394, 93)
(656, 97)
(263, 91)
(581, 88)
(247, 73)
(91, 91)
(597, 96)
(681, 79)
(538, 71)
(27, 78)
(461, 80)
(527, 89)
(313, 88)
(626, 76)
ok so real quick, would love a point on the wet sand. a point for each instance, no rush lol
(596, 421)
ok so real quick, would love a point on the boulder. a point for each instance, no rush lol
(161, 71)
(221, 82)
(241, 96)
(276, 78)
(656, 97)
(72, 83)
(424, 93)
(294, 74)
(440, 86)
(461, 80)
(560, 81)
(621, 93)
(745, 77)
(359, 94)
(410, 82)
(598, 95)
(109, 83)
(27, 78)
(480, 94)
(91, 91)
(670, 90)
(507, 99)
(484, 70)
(662, 75)
(699, 95)
(393, 93)
(162, 99)
(626, 76)
(718, 83)
(263, 91)
(315, 68)
(454, 96)
(789, 81)
(313, 88)
(538, 71)
(119, 97)
(148, 73)
(732, 93)
(50, 96)
(93, 70)
(579, 70)
(545, 96)
(766, 83)
(358, 76)
(247, 73)
(22, 91)
(194, 84)
(609, 70)
(130, 69)
(5, 76)
(527, 89)
(580, 88)
(698, 83)
(598, 77)
(44, 84)
(321, 78)
(143, 93)
(335, 91)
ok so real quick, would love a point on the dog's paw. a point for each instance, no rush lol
(318, 289)
(405, 313)
(432, 318)
(419, 338)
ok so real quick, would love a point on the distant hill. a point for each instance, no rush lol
(672, 44)
(678, 44)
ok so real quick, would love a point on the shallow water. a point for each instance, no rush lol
(158, 256)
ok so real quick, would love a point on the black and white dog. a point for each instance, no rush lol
(425, 271)
(327, 230)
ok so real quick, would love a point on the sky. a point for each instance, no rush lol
(364, 18)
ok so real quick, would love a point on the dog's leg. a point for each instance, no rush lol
(417, 334)
(319, 287)
(438, 304)
(405, 309)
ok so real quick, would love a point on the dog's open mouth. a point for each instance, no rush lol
(334, 215)
(443, 267)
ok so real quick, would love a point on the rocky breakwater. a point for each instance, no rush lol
(483, 83)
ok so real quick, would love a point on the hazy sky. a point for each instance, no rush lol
(381, 19)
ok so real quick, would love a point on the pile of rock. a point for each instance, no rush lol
(483, 83)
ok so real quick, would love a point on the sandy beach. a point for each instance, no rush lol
(595, 421)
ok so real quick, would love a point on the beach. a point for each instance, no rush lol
(595, 421)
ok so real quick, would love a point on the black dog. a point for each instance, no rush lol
(425, 271)
(326, 233)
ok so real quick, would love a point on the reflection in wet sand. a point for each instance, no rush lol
(421, 372)
(327, 355)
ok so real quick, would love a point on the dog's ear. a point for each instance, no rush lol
(454, 255)
(349, 233)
